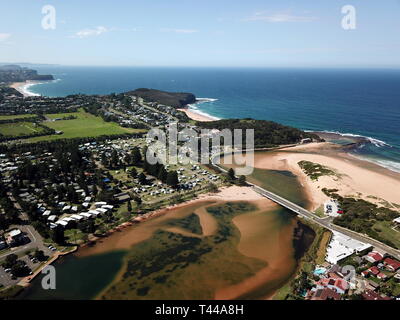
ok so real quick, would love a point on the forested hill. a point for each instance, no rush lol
(266, 133)
(173, 99)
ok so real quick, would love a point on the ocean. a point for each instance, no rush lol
(352, 102)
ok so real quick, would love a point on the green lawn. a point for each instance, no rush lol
(17, 116)
(85, 125)
(384, 229)
(19, 129)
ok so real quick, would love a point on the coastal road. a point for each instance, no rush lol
(323, 222)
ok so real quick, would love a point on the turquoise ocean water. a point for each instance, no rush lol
(351, 102)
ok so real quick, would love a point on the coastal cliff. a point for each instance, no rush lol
(15, 73)
(173, 99)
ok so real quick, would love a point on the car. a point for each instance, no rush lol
(53, 249)
(7, 270)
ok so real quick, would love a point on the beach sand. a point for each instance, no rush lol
(22, 87)
(354, 177)
(196, 116)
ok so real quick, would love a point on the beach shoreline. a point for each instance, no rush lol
(197, 116)
(23, 87)
(354, 177)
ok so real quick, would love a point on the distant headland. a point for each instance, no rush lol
(16, 73)
(173, 99)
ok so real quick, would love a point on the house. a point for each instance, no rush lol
(365, 273)
(382, 276)
(122, 197)
(373, 257)
(86, 215)
(62, 223)
(325, 294)
(76, 217)
(338, 285)
(391, 264)
(372, 295)
(374, 270)
(371, 285)
(52, 218)
(100, 204)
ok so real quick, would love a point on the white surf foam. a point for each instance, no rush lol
(376, 142)
(194, 107)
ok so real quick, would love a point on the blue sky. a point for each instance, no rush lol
(253, 33)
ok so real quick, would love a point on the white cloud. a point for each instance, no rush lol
(4, 36)
(179, 30)
(280, 17)
(85, 33)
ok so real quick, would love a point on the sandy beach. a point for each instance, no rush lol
(197, 116)
(353, 177)
(23, 87)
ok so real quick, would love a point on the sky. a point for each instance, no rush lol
(202, 33)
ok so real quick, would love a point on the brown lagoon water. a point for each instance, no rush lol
(204, 250)
(280, 182)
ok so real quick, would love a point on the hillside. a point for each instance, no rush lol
(266, 133)
(173, 99)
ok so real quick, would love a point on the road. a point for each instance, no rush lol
(323, 222)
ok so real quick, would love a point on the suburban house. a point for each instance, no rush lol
(373, 257)
(372, 295)
(391, 264)
(325, 294)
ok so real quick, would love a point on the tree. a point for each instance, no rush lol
(129, 206)
(57, 235)
(10, 260)
(231, 174)
(136, 156)
(142, 178)
(242, 181)
(172, 179)
(212, 187)
(133, 173)
(162, 174)
(39, 254)
(138, 200)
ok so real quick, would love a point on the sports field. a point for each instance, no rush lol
(19, 129)
(85, 125)
(16, 116)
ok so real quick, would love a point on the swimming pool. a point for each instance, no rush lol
(319, 271)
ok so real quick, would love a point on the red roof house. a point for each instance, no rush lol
(365, 273)
(372, 295)
(374, 270)
(381, 276)
(374, 256)
(392, 264)
(325, 294)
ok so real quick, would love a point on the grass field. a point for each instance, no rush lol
(19, 129)
(85, 125)
(17, 116)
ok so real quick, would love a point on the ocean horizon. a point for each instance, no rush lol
(351, 102)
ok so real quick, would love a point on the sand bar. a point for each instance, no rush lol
(355, 177)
